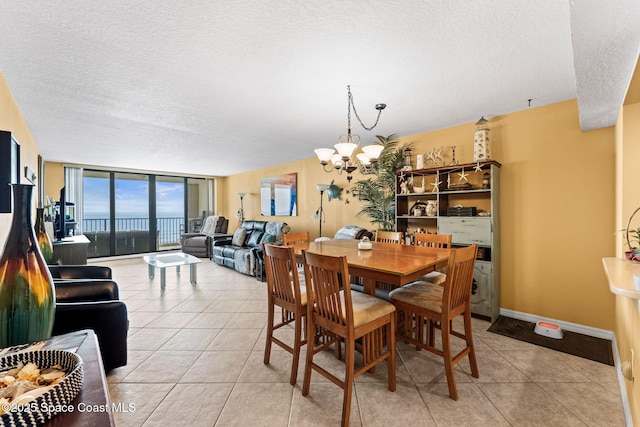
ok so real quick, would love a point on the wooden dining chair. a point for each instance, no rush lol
(348, 316)
(286, 292)
(388, 236)
(424, 305)
(434, 241)
(294, 238)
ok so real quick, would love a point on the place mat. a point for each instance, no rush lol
(588, 347)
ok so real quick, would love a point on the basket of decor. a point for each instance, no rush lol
(36, 385)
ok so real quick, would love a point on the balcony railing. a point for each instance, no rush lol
(127, 231)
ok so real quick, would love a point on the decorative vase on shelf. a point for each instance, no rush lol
(27, 299)
(44, 241)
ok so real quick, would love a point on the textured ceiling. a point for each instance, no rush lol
(222, 87)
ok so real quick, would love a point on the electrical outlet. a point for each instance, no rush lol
(628, 367)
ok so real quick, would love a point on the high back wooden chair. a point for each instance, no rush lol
(433, 241)
(333, 308)
(285, 292)
(426, 304)
(388, 236)
(294, 238)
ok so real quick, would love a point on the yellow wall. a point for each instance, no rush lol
(54, 179)
(309, 172)
(627, 311)
(556, 208)
(11, 119)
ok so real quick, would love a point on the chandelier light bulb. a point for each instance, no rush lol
(364, 159)
(337, 161)
(373, 151)
(324, 154)
(346, 149)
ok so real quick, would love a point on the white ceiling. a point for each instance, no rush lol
(221, 87)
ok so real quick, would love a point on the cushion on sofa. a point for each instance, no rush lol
(210, 223)
(254, 239)
(239, 236)
(277, 229)
(267, 238)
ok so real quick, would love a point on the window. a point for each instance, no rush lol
(128, 213)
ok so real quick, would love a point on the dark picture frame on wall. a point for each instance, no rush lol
(9, 168)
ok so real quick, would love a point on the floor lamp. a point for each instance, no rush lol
(319, 213)
(240, 213)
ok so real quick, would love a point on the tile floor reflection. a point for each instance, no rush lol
(195, 359)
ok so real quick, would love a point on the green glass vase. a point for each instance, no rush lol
(27, 297)
(44, 241)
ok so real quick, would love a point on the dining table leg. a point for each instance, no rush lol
(369, 284)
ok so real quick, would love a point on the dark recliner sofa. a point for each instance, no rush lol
(243, 258)
(88, 298)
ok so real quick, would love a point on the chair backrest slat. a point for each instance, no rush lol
(282, 276)
(296, 238)
(457, 286)
(388, 236)
(325, 277)
(433, 240)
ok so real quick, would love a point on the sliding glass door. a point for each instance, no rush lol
(129, 213)
(96, 201)
(169, 211)
(133, 232)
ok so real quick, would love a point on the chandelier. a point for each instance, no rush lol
(342, 158)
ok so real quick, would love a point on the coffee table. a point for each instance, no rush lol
(174, 259)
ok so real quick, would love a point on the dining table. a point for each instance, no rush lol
(391, 263)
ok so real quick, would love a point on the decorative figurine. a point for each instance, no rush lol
(486, 180)
(436, 186)
(404, 187)
(481, 149)
(432, 208)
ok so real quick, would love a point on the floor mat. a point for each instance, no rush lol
(592, 348)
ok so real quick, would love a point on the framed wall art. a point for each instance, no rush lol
(9, 168)
(278, 195)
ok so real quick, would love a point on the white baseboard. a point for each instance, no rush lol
(623, 390)
(573, 327)
(590, 331)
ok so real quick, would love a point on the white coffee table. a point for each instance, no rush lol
(173, 259)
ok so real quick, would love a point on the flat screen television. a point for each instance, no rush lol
(61, 219)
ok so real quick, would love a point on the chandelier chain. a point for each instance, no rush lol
(351, 104)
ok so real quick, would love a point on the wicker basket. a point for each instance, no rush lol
(41, 409)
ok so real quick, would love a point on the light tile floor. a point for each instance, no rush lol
(196, 351)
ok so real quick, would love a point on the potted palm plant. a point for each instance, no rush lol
(376, 190)
(633, 238)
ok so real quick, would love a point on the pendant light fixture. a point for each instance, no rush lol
(342, 158)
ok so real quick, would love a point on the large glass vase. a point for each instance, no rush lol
(44, 241)
(27, 298)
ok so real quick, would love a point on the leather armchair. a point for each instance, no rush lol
(199, 244)
(87, 299)
(80, 272)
